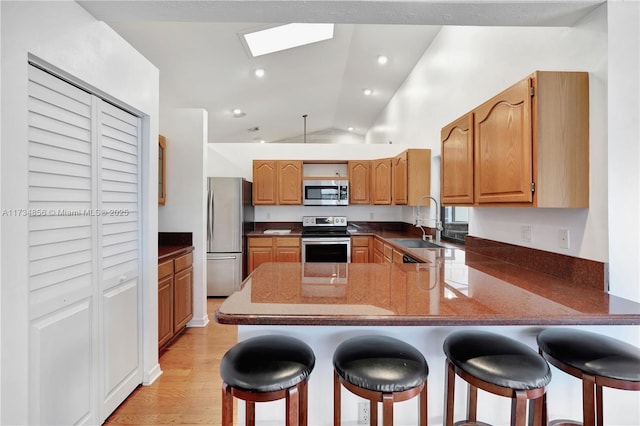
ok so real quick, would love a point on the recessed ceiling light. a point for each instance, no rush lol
(350, 129)
(382, 59)
(286, 36)
(367, 92)
(237, 113)
(259, 72)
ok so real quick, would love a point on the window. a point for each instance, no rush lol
(455, 223)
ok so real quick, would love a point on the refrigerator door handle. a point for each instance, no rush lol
(210, 216)
(223, 258)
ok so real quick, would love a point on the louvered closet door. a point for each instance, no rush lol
(83, 254)
(118, 204)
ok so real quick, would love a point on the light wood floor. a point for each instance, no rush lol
(188, 391)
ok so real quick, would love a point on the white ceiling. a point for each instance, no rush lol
(204, 64)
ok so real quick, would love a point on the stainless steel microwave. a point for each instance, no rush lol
(333, 192)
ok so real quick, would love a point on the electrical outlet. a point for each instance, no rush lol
(363, 413)
(371, 215)
(526, 233)
(563, 238)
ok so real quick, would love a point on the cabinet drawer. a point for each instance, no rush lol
(378, 245)
(183, 262)
(165, 269)
(388, 252)
(287, 242)
(261, 242)
(360, 241)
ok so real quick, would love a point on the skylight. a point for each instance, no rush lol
(286, 36)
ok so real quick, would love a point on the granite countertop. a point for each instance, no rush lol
(172, 244)
(166, 252)
(453, 287)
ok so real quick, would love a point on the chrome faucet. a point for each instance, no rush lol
(419, 220)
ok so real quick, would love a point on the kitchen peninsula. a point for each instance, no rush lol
(423, 303)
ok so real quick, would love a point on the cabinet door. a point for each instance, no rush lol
(183, 298)
(399, 171)
(503, 147)
(258, 256)
(290, 182)
(287, 249)
(381, 181)
(165, 310)
(287, 254)
(359, 182)
(265, 182)
(457, 162)
(360, 254)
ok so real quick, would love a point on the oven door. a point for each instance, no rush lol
(323, 249)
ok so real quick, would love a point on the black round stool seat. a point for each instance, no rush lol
(499, 365)
(497, 359)
(380, 364)
(267, 363)
(598, 360)
(383, 370)
(592, 353)
(267, 368)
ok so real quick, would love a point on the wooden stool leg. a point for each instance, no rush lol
(292, 406)
(387, 409)
(424, 415)
(449, 392)
(538, 411)
(304, 403)
(373, 413)
(336, 399)
(588, 400)
(472, 404)
(519, 409)
(227, 405)
(599, 406)
(250, 413)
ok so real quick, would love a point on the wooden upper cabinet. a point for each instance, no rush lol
(399, 179)
(503, 147)
(531, 146)
(561, 139)
(359, 181)
(265, 182)
(277, 182)
(456, 169)
(411, 171)
(381, 181)
(290, 182)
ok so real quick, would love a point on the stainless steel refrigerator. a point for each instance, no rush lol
(229, 218)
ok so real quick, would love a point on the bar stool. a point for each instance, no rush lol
(380, 369)
(598, 360)
(499, 365)
(267, 368)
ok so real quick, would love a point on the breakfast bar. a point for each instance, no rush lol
(422, 303)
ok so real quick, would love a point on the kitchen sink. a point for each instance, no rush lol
(415, 243)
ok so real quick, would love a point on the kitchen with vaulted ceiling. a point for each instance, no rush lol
(520, 121)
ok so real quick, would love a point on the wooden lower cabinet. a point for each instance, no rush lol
(272, 249)
(360, 249)
(165, 301)
(175, 297)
